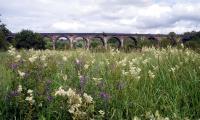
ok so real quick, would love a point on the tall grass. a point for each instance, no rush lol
(122, 85)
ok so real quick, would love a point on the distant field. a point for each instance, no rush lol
(152, 84)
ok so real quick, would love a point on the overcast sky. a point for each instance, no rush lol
(123, 16)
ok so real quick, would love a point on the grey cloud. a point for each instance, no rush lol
(132, 16)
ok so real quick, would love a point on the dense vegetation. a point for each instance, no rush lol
(150, 84)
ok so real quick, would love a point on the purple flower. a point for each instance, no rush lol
(104, 96)
(13, 66)
(13, 93)
(49, 98)
(49, 82)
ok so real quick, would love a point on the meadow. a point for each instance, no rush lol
(150, 84)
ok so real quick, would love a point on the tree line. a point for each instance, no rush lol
(27, 39)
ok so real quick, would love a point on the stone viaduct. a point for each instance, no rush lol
(103, 37)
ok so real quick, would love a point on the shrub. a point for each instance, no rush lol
(28, 39)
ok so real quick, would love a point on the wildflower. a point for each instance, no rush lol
(13, 66)
(97, 80)
(33, 58)
(93, 61)
(12, 51)
(70, 92)
(182, 45)
(87, 98)
(30, 99)
(104, 95)
(64, 58)
(122, 62)
(65, 77)
(86, 66)
(137, 78)
(18, 57)
(135, 71)
(172, 69)
(102, 113)
(136, 118)
(60, 92)
(40, 105)
(78, 61)
(124, 73)
(30, 91)
(151, 74)
(71, 110)
(19, 89)
(166, 118)
(45, 64)
(21, 74)
(75, 99)
(155, 68)
(145, 61)
(43, 58)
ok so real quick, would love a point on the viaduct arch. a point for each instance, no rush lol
(103, 37)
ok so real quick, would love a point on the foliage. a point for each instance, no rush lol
(192, 40)
(48, 43)
(27, 39)
(62, 44)
(111, 85)
(172, 38)
(3, 43)
(113, 43)
(3, 33)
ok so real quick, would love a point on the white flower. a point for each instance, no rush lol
(30, 99)
(43, 58)
(87, 98)
(40, 105)
(60, 92)
(145, 61)
(155, 68)
(151, 74)
(19, 89)
(45, 64)
(166, 118)
(12, 51)
(135, 71)
(124, 73)
(18, 56)
(182, 45)
(30, 91)
(71, 110)
(70, 92)
(97, 80)
(64, 58)
(21, 74)
(65, 77)
(101, 112)
(136, 118)
(33, 58)
(86, 66)
(172, 69)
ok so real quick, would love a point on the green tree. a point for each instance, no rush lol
(3, 33)
(172, 38)
(28, 39)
